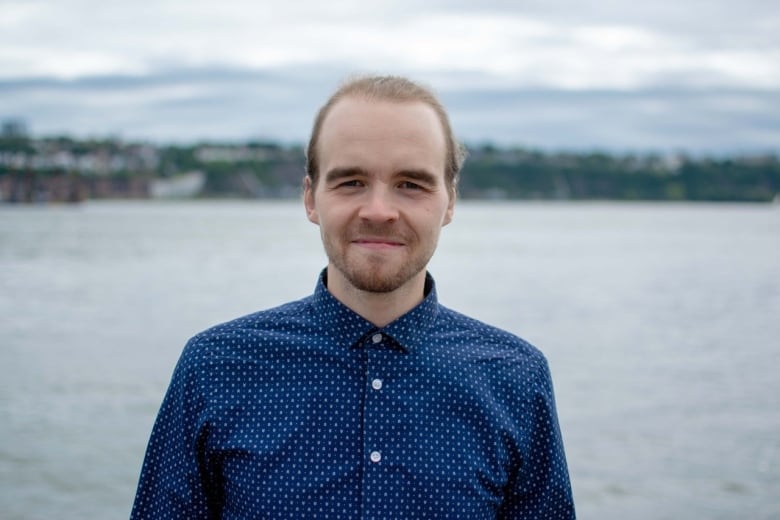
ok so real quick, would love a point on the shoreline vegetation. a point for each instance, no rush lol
(65, 169)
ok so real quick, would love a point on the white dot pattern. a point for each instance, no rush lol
(310, 411)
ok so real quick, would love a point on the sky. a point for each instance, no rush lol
(616, 75)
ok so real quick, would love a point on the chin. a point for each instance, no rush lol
(376, 280)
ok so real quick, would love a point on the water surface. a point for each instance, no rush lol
(660, 321)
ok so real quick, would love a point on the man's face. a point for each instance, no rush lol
(381, 197)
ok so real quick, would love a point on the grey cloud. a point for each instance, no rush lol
(221, 104)
(708, 23)
(699, 121)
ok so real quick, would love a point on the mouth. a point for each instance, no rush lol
(378, 243)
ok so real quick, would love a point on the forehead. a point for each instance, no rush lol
(382, 132)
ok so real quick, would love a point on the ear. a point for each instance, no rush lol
(308, 201)
(450, 207)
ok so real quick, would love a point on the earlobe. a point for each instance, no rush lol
(308, 201)
(450, 210)
(448, 216)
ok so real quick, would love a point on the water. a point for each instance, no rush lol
(661, 324)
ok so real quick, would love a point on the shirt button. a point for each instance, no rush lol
(376, 338)
(375, 456)
(376, 384)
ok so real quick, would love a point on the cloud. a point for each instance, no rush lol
(700, 74)
(697, 121)
(605, 44)
(219, 104)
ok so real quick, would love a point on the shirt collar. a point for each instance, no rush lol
(348, 328)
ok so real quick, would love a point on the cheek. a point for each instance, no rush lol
(332, 221)
(444, 213)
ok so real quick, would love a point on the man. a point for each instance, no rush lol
(367, 399)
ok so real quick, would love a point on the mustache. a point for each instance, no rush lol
(382, 231)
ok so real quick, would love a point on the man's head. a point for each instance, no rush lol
(394, 89)
(381, 184)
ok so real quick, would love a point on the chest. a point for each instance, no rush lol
(373, 436)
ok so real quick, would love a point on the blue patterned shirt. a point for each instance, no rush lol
(310, 411)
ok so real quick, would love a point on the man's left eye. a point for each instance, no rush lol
(407, 185)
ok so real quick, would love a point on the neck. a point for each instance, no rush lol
(378, 308)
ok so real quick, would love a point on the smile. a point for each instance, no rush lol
(377, 243)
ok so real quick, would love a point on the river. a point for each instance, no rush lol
(661, 323)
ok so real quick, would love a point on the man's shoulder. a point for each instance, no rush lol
(267, 319)
(488, 339)
(266, 327)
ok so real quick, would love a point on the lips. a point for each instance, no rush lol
(378, 243)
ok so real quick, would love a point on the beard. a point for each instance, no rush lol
(376, 272)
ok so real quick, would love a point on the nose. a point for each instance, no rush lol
(378, 206)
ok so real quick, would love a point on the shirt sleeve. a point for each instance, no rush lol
(175, 482)
(540, 489)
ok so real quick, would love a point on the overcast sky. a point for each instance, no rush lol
(694, 75)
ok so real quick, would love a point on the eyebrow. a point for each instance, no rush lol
(422, 176)
(341, 173)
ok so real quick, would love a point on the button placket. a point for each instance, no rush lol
(374, 434)
(376, 382)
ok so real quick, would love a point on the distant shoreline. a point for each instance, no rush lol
(63, 169)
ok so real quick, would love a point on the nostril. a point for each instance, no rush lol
(378, 209)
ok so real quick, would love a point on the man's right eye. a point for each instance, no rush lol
(354, 183)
